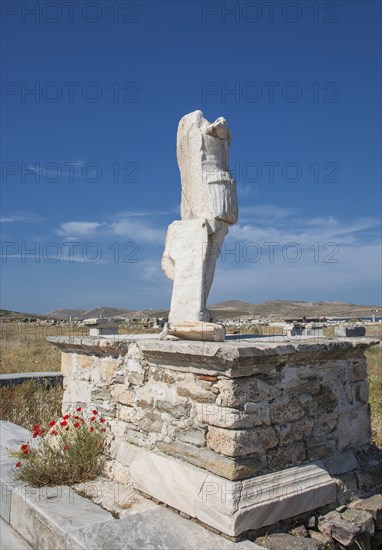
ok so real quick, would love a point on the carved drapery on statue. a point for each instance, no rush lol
(208, 207)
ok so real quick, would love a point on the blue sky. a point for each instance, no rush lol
(89, 174)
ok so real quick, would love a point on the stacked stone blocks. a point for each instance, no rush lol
(256, 412)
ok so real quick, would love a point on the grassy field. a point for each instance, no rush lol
(24, 348)
(374, 369)
(29, 403)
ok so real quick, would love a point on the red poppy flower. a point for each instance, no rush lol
(18, 464)
(66, 417)
(102, 420)
(54, 432)
(83, 421)
(92, 418)
(52, 423)
(66, 447)
(36, 427)
(95, 412)
(63, 423)
(77, 424)
(67, 429)
(91, 429)
(25, 451)
(25, 446)
(41, 431)
(36, 434)
(76, 417)
(79, 409)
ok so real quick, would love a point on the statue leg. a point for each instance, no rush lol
(187, 253)
(219, 230)
(192, 247)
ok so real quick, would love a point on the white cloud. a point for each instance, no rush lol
(287, 227)
(21, 218)
(132, 227)
(267, 212)
(134, 214)
(137, 231)
(143, 213)
(78, 228)
(245, 190)
(322, 221)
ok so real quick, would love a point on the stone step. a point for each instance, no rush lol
(10, 540)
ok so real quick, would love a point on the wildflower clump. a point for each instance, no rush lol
(65, 451)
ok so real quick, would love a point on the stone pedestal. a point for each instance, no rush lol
(351, 332)
(313, 330)
(238, 434)
(101, 327)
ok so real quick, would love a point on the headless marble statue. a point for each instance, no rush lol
(208, 207)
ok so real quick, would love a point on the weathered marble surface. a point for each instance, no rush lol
(195, 330)
(233, 507)
(208, 207)
(208, 189)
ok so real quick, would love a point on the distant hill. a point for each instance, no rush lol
(286, 309)
(275, 309)
(105, 312)
(8, 315)
(80, 314)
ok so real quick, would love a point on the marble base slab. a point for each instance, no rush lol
(232, 507)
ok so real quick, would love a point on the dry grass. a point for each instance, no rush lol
(24, 347)
(374, 369)
(30, 403)
(29, 357)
